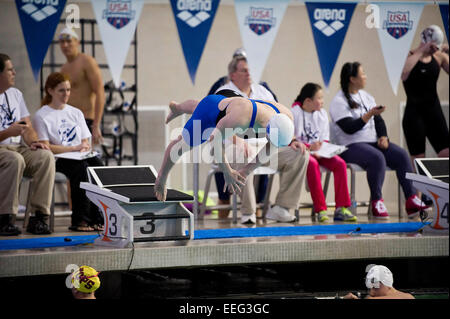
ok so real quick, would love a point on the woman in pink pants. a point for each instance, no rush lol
(312, 128)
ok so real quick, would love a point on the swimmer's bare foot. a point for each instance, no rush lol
(173, 111)
(160, 190)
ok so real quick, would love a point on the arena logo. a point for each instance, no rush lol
(322, 15)
(118, 13)
(397, 23)
(39, 10)
(260, 20)
(187, 6)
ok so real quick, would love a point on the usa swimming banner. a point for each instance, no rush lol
(444, 13)
(194, 20)
(398, 24)
(39, 20)
(329, 24)
(259, 21)
(117, 21)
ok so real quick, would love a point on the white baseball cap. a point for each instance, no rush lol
(433, 34)
(280, 130)
(377, 274)
(68, 31)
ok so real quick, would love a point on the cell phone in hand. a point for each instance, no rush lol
(22, 122)
(379, 107)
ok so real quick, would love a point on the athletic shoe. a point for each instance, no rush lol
(280, 214)
(427, 200)
(248, 219)
(37, 224)
(379, 210)
(343, 214)
(322, 216)
(7, 227)
(414, 206)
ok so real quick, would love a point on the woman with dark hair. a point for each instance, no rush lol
(63, 128)
(312, 128)
(357, 124)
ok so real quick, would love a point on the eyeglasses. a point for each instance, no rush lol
(243, 70)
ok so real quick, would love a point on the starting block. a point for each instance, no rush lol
(432, 179)
(131, 211)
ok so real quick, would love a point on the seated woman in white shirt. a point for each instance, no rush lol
(63, 128)
(358, 124)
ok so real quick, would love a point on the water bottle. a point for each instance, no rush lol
(126, 106)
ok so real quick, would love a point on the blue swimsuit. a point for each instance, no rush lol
(207, 114)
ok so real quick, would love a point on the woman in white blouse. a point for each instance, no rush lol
(358, 124)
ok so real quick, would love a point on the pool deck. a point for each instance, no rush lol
(227, 251)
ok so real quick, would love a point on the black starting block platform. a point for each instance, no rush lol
(131, 211)
(432, 179)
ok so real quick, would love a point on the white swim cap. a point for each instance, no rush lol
(280, 130)
(433, 34)
(68, 32)
(240, 52)
(377, 274)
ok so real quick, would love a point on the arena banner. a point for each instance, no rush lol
(117, 21)
(194, 20)
(444, 13)
(39, 20)
(398, 25)
(259, 21)
(329, 24)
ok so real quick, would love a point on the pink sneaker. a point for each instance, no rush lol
(379, 210)
(414, 206)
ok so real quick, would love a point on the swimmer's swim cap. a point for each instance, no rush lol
(68, 32)
(85, 279)
(280, 130)
(377, 274)
(433, 34)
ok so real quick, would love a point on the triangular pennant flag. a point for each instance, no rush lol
(39, 20)
(194, 20)
(444, 13)
(259, 21)
(117, 21)
(329, 24)
(398, 26)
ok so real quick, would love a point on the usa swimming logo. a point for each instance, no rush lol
(39, 10)
(187, 7)
(397, 23)
(260, 20)
(118, 13)
(67, 133)
(7, 117)
(329, 21)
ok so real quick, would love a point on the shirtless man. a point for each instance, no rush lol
(87, 85)
(379, 281)
(221, 114)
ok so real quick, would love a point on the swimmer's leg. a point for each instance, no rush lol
(176, 109)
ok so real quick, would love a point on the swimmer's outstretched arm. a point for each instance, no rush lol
(233, 180)
(172, 154)
(261, 158)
